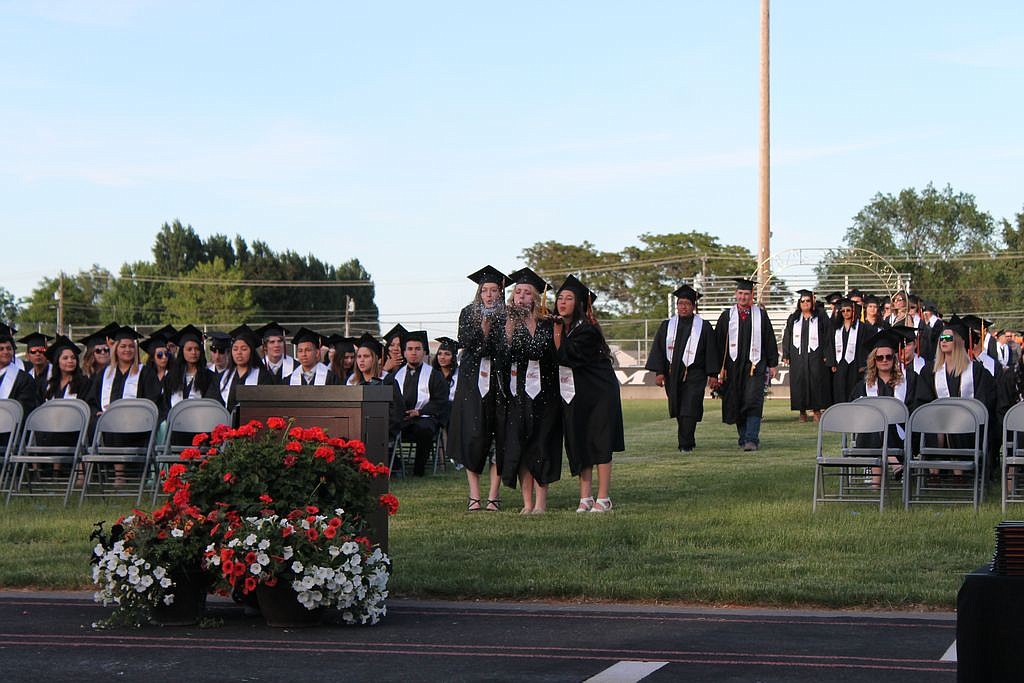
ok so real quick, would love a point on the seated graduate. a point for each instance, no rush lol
(168, 332)
(244, 367)
(368, 372)
(35, 363)
(124, 377)
(97, 353)
(394, 341)
(158, 360)
(310, 372)
(220, 351)
(15, 383)
(978, 328)
(884, 377)
(341, 356)
(279, 363)
(954, 373)
(190, 377)
(424, 396)
(67, 380)
(446, 362)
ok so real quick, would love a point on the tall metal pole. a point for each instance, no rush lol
(60, 304)
(764, 241)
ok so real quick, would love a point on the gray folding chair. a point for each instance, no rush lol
(837, 458)
(981, 414)
(935, 425)
(125, 437)
(896, 414)
(65, 420)
(403, 454)
(1013, 455)
(188, 418)
(11, 415)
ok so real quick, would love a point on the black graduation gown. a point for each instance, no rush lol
(846, 374)
(25, 391)
(861, 390)
(264, 378)
(743, 391)
(331, 380)
(278, 375)
(810, 372)
(533, 437)
(397, 407)
(984, 385)
(684, 387)
(149, 386)
(592, 420)
(435, 411)
(478, 422)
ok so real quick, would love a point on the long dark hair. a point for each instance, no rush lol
(583, 314)
(177, 370)
(77, 383)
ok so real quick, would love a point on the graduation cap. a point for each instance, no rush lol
(872, 299)
(854, 292)
(34, 339)
(744, 284)
(245, 333)
(155, 341)
(930, 306)
(447, 344)
(219, 340)
(94, 339)
(909, 334)
(109, 329)
(526, 276)
(489, 274)
(57, 347)
(368, 341)
(341, 343)
(581, 291)
(844, 303)
(687, 292)
(304, 334)
(396, 331)
(271, 329)
(168, 332)
(7, 333)
(886, 338)
(417, 335)
(187, 333)
(956, 324)
(833, 297)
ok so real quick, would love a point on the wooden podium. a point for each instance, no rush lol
(359, 412)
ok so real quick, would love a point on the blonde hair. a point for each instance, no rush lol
(134, 368)
(539, 305)
(959, 360)
(871, 374)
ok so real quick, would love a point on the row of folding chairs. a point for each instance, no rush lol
(403, 454)
(50, 453)
(942, 458)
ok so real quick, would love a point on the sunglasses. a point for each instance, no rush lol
(945, 337)
(805, 301)
(37, 350)
(216, 350)
(101, 349)
(884, 356)
(160, 354)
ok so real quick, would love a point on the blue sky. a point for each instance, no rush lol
(427, 139)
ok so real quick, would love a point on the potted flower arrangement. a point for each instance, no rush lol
(245, 511)
(149, 565)
(265, 488)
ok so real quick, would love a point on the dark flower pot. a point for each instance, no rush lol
(280, 607)
(190, 589)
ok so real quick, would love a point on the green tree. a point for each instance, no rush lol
(9, 308)
(133, 302)
(177, 249)
(82, 296)
(193, 299)
(922, 233)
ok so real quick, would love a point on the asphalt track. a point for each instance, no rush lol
(49, 637)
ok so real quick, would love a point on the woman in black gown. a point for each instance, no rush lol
(533, 441)
(806, 348)
(591, 407)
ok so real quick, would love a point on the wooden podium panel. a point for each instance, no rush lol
(360, 412)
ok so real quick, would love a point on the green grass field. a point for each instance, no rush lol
(718, 527)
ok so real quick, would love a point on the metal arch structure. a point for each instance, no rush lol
(865, 259)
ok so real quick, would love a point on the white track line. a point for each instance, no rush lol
(626, 672)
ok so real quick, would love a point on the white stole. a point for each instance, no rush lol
(755, 335)
(422, 384)
(812, 333)
(483, 378)
(899, 391)
(533, 378)
(966, 383)
(67, 392)
(670, 337)
(177, 397)
(7, 384)
(131, 385)
(918, 364)
(566, 384)
(454, 379)
(988, 363)
(513, 377)
(690, 350)
(287, 366)
(251, 380)
(319, 376)
(851, 345)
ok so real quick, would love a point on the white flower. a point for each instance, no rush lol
(159, 572)
(251, 539)
(338, 512)
(169, 598)
(264, 544)
(286, 552)
(350, 547)
(256, 568)
(296, 566)
(166, 582)
(98, 550)
(146, 581)
(263, 558)
(177, 533)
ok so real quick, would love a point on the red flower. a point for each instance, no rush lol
(357, 447)
(177, 469)
(290, 460)
(336, 442)
(181, 496)
(270, 582)
(335, 522)
(171, 485)
(211, 452)
(200, 439)
(250, 584)
(293, 447)
(295, 432)
(390, 503)
(190, 453)
(312, 534)
(325, 452)
(330, 532)
(383, 471)
(312, 509)
(227, 567)
(250, 557)
(276, 423)
(229, 478)
(162, 534)
(287, 531)
(255, 425)
(226, 554)
(238, 569)
(266, 497)
(363, 541)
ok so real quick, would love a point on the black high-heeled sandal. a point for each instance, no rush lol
(476, 502)
(495, 503)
